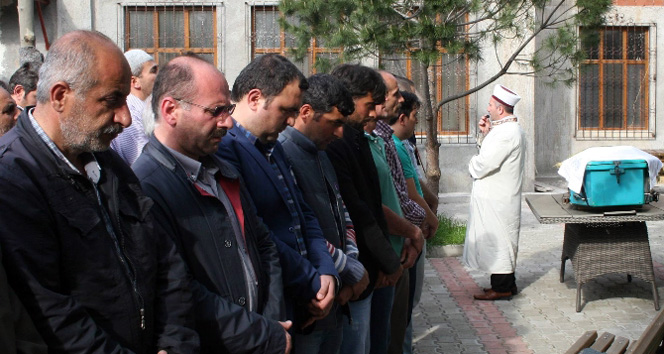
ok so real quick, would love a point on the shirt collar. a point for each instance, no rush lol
(371, 136)
(194, 168)
(47, 140)
(266, 149)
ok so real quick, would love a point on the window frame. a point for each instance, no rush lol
(312, 52)
(445, 135)
(184, 8)
(647, 128)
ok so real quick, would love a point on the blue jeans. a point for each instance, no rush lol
(381, 311)
(416, 283)
(356, 334)
(408, 339)
(318, 342)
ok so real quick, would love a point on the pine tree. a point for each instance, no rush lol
(469, 29)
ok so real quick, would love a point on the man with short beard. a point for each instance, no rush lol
(8, 111)
(78, 241)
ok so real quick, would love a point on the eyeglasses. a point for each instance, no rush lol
(216, 111)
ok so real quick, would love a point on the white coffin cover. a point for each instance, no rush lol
(574, 168)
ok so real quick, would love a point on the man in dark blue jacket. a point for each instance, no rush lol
(268, 94)
(202, 203)
(78, 241)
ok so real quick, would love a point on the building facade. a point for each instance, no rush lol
(613, 102)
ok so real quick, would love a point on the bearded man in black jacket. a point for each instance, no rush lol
(79, 245)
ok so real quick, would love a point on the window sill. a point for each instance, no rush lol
(614, 135)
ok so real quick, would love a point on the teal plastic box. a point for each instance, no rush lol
(613, 184)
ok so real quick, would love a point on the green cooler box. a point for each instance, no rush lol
(613, 184)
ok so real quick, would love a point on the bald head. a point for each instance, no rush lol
(192, 105)
(74, 59)
(389, 109)
(178, 79)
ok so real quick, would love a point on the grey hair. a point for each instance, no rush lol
(71, 59)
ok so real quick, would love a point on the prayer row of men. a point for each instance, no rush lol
(265, 220)
(286, 215)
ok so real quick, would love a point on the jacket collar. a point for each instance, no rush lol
(300, 140)
(162, 155)
(25, 129)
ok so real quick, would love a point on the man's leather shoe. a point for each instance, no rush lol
(513, 290)
(492, 295)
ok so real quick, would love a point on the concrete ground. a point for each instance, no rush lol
(542, 317)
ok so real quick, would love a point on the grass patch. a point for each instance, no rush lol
(450, 231)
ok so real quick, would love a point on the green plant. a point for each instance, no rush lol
(450, 231)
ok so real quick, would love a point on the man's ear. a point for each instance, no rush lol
(402, 119)
(254, 98)
(18, 90)
(168, 109)
(135, 83)
(59, 94)
(306, 113)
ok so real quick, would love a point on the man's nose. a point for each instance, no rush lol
(339, 132)
(122, 116)
(225, 122)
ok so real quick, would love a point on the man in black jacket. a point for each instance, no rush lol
(201, 201)
(79, 245)
(360, 188)
(325, 106)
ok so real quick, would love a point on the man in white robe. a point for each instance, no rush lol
(492, 236)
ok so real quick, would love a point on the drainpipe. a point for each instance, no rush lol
(26, 12)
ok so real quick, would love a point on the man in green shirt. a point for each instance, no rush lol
(404, 127)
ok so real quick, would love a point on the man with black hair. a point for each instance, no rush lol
(268, 94)
(361, 188)
(325, 106)
(8, 111)
(403, 126)
(23, 85)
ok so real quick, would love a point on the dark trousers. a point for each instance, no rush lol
(503, 283)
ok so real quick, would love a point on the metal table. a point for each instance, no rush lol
(599, 243)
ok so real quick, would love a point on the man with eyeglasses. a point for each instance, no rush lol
(201, 201)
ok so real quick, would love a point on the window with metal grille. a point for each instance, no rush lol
(268, 37)
(614, 84)
(169, 31)
(449, 75)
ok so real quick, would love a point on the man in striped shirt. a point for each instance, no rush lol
(129, 144)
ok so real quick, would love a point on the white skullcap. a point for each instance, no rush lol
(136, 59)
(505, 96)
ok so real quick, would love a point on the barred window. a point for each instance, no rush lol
(268, 37)
(614, 84)
(450, 76)
(169, 31)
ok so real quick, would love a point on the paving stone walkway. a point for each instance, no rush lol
(542, 318)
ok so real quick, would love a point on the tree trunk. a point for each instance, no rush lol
(26, 13)
(432, 169)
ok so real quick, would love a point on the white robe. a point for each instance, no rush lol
(492, 234)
